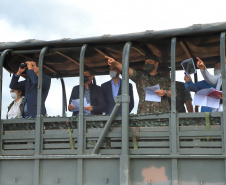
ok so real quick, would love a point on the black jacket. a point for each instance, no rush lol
(96, 98)
(109, 100)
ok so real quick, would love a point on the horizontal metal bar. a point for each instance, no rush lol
(200, 133)
(98, 156)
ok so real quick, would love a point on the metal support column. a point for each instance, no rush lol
(124, 158)
(223, 118)
(64, 98)
(4, 53)
(81, 125)
(38, 120)
(173, 120)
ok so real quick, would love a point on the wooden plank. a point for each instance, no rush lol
(60, 131)
(18, 152)
(19, 141)
(48, 136)
(18, 147)
(18, 136)
(143, 144)
(201, 151)
(201, 144)
(150, 151)
(61, 146)
(59, 152)
(141, 134)
(200, 133)
(200, 128)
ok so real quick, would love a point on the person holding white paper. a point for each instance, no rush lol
(183, 97)
(93, 94)
(215, 79)
(148, 78)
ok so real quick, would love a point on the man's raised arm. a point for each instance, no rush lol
(113, 62)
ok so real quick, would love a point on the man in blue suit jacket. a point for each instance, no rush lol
(30, 86)
(112, 88)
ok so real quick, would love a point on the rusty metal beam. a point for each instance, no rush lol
(69, 58)
(185, 49)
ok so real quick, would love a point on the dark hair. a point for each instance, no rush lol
(151, 56)
(92, 73)
(22, 92)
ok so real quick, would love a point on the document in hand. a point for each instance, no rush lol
(75, 103)
(188, 66)
(150, 94)
(208, 97)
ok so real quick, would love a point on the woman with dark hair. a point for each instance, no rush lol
(16, 107)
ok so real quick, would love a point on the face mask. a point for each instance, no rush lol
(112, 73)
(13, 95)
(149, 67)
(86, 79)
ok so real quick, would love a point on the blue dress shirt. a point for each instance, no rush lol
(115, 88)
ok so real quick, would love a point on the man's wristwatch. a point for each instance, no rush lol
(166, 93)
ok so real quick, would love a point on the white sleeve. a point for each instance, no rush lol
(211, 79)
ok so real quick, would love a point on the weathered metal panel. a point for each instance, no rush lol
(61, 171)
(101, 172)
(18, 172)
(196, 172)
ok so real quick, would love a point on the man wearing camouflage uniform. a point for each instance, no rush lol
(147, 78)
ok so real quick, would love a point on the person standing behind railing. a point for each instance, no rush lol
(147, 78)
(190, 86)
(183, 97)
(113, 88)
(215, 79)
(31, 90)
(92, 93)
(16, 107)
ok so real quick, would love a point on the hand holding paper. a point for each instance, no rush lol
(76, 103)
(150, 94)
(208, 97)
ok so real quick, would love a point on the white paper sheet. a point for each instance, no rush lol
(75, 103)
(150, 94)
(201, 98)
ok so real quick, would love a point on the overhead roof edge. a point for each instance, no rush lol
(196, 29)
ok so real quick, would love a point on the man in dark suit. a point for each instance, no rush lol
(112, 88)
(30, 86)
(92, 93)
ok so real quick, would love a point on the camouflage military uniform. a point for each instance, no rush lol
(142, 79)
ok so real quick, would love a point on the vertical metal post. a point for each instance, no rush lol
(64, 98)
(4, 53)
(223, 76)
(173, 120)
(81, 124)
(124, 158)
(38, 120)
